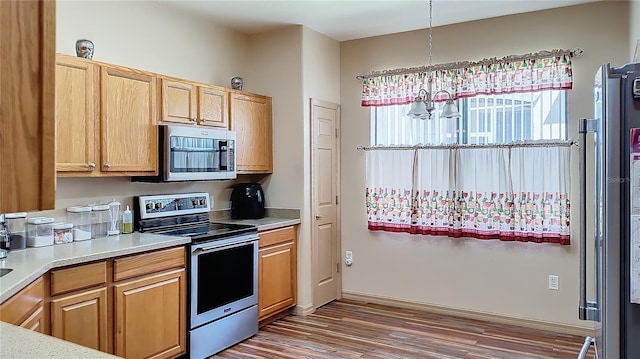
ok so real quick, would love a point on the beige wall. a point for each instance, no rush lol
(292, 65)
(508, 279)
(149, 36)
(634, 29)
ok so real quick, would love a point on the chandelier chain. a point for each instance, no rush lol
(430, 80)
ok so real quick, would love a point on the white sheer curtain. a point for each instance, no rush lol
(496, 192)
(389, 188)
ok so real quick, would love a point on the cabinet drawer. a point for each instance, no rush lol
(276, 236)
(84, 276)
(148, 263)
(16, 308)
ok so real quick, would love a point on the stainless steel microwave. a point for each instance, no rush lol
(194, 154)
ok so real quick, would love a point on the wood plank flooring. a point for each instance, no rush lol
(350, 329)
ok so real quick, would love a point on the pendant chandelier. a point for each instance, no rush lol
(423, 105)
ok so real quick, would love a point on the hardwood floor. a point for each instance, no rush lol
(349, 329)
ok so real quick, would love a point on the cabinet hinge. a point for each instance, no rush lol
(336, 200)
(337, 267)
(336, 133)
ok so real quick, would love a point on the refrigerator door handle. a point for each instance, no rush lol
(588, 310)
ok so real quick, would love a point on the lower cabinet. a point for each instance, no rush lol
(150, 317)
(27, 308)
(277, 273)
(81, 318)
(133, 307)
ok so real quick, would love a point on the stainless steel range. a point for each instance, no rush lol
(223, 269)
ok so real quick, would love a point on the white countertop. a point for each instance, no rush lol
(22, 343)
(29, 264)
(263, 224)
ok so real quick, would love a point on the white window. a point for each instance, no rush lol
(485, 119)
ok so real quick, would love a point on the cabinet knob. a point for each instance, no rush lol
(107, 165)
(91, 165)
(193, 119)
(203, 120)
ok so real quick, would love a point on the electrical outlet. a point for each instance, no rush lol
(554, 282)
(348, 258)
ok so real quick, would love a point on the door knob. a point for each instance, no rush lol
(318, 216)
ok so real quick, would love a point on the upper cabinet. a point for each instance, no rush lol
(106, 119)
(77, 104)
(129, 134)
(250, 117)
(212, 107)
(178, 102)
(27, 134)
(190, 103)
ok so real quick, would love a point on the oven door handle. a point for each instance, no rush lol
(214, 248)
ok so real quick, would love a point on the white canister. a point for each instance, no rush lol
(62, 233)
(39, 231)
(80, 217)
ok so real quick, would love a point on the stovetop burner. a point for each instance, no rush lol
(211, 231)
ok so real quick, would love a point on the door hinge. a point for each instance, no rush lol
(336, 200)
(336, 133)
(337, 267)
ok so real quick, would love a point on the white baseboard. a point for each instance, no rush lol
(303, 310)
(489, 317)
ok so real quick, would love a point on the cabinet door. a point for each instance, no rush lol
(212, 107)
(178, 102)
(129, 135)
(76, 114)
(37, 321)
(81, 318)
(27, 309)
(251, 119)
(150, 316)
(27, 105)
(277, 278)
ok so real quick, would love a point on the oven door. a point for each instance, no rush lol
(224, 278)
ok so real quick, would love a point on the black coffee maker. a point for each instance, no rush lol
(247, 201)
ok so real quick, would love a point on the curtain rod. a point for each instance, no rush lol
(551, 143)
(577, 52)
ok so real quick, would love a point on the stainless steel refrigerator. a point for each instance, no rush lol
(615, 211)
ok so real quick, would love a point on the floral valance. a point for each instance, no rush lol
(544, 70)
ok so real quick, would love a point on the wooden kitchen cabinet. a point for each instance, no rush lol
(277, 273)
(77, 116)
(27, 103)
(106, 119)
(82, 318)
(190, 103)
(212, 107)
(79, 305)
(128, 126)
(250, 117)
(179, 101)
(150, 305)
(150, 316)
(28, 308)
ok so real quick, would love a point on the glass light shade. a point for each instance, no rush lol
(418, 109)
(450, 110)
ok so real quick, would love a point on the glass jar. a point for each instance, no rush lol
(62, 233)
(40, 231)
(80, 217)
(101, 221)
(17, 225)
